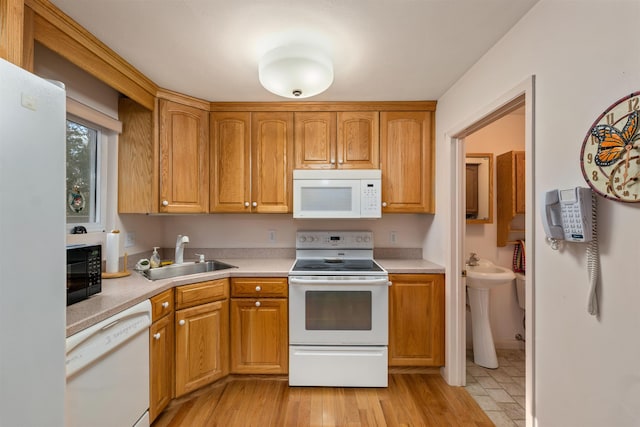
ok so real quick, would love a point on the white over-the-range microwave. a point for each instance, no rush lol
(348, 193)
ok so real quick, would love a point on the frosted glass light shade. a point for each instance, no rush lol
(295, 71)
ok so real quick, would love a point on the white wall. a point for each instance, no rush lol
(505, 134)
(584, 57)
(252, 230)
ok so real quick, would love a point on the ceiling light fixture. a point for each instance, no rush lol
(296, 71)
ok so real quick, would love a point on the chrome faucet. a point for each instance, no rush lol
(182, 240)
(473, 260)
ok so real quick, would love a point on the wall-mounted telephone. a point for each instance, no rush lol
(567, 214)
(571, 215)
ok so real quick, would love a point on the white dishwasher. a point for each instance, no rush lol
(108, 371)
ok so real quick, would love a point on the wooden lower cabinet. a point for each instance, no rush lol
(161, 359)
(416, 320)
(259, 326)
(202, 335)
(160, 365)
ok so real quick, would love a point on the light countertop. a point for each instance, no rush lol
(119, 294)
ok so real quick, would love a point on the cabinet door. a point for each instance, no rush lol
(271, 161)
(230, 162)
(416, 320)
(315, 140)
(202, 346)
(519, 196)
(358, 145)
(406, 160)
(259, 339)
(160, 365)
(184, 158)
(137, 159)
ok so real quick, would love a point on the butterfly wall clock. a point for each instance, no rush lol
(610, 155)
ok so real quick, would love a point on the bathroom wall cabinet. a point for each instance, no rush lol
(416, 320)
(510, 183)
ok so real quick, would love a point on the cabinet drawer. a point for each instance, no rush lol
(201, 293)
(161, 304)
(259, 287)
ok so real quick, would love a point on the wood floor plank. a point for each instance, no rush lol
(412, 399)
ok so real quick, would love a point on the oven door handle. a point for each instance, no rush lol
(359, 282)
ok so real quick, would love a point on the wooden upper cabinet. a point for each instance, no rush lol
(271, 160)
(315, 140)
(184, 158)
(358, 142)
(406, 160)
(137, 159)
(230, 162)
(342, 140)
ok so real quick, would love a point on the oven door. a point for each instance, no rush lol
(338, 312)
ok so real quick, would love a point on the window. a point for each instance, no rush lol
(84, 175)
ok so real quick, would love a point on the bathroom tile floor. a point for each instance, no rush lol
(500, 392)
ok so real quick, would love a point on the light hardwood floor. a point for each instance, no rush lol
(412, 399)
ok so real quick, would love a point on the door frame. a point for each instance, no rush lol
(455, 372)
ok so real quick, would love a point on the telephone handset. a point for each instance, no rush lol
(567, 214)
(571, 215)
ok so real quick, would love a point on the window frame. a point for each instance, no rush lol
(101, 178)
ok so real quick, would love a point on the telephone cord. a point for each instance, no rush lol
(593, 261)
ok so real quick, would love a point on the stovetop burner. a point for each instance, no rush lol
(337, 253)
(338, 265)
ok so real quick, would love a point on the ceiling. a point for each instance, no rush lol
(381, 49)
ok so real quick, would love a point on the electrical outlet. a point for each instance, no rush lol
(393, 237)
(272, 236)
(130, 239)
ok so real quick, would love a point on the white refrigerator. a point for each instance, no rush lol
(32, 249)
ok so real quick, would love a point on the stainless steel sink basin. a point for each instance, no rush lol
(184, 269)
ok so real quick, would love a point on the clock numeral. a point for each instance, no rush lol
(626, 193)
(594, 176)
(617, 180)
(609, 189)
(634, 104)
(610, 119)
(590, 158)
(594, 140)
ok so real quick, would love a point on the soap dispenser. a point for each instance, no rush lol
(155, 258)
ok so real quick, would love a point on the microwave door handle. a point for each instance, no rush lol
(359, 282)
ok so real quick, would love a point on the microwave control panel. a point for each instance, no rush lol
(370, 198)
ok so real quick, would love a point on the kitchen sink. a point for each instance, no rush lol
(184, 269)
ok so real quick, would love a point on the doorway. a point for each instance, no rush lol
(519, 97)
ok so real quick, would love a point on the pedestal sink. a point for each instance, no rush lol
(481, 279)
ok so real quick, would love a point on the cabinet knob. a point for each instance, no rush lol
(246, 204)
(258, 288)
(254, 204)
(182, 322)
(340, 161)
(165, 304)
(384, 204)
(332, 161)
(258, 304)
(165, 203)
(156, 336)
